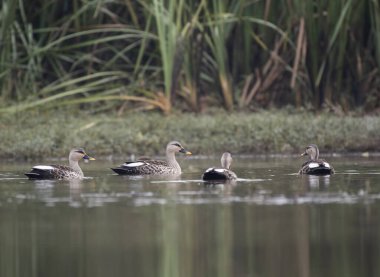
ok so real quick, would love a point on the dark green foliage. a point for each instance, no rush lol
(120, 55)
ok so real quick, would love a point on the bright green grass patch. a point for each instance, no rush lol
(38, 135)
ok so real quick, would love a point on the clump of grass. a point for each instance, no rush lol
(39, 135)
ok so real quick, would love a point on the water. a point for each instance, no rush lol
(270, 223)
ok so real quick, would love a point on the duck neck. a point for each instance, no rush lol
(226, 164)
(314, 155)
(172, 162)
(75, 166)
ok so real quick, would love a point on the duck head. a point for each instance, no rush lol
(312, 151)
(175, 146)
(226, 160)
(77, 154)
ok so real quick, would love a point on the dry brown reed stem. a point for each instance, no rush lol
(297, 60)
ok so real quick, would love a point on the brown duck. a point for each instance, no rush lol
(61, 172)
(152, 167)
(315, 166)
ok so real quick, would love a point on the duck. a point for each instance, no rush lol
(61, 172)
(155, 167)
(221, 174)
(315, 166)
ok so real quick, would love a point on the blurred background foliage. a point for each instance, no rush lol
(123, 55)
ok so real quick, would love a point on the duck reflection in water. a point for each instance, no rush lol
(317, 182)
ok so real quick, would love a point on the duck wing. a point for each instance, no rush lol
(42, 172)
(318, 167)
(142, 167)
(218, 174)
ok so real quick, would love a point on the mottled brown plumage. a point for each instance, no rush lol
(61, 172)
(150, 167)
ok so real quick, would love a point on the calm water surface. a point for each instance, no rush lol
(272, 222)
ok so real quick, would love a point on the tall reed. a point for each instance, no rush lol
(153, 54)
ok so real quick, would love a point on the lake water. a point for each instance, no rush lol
(272, 222)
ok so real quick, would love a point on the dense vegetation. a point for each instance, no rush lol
(156, 54)
(39, 134)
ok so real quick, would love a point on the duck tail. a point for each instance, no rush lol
(119, 170)
(33, 175)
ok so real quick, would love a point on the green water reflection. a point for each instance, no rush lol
(274, 224)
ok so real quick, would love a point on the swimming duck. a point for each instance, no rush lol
(315, 166)
(147, 166)
(61, 172)
(221, 174)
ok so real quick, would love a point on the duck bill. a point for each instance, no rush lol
(87, 157)
(303, 154)
(184, 151)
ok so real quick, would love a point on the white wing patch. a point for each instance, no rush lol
(43, 167)
(209, 169)
(313, 165)
(136, 164)
(326, 164)
(220, 170)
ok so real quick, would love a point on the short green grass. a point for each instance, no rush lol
(36, 135)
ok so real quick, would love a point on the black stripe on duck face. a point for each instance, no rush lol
(81, 151)
(177, 144)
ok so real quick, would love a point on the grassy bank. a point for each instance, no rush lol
(38, 135)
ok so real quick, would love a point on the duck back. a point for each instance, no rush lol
(319, 167)
(218, 174)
